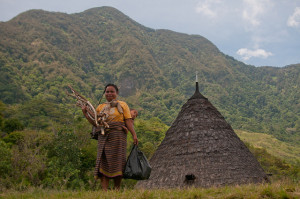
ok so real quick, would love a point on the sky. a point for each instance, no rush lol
(256, 32)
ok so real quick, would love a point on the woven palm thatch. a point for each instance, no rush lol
(201, 149)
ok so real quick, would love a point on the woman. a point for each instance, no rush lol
(111, 154)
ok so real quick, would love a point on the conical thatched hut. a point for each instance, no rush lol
(201, 149)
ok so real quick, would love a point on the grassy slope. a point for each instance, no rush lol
(277, 148)
(275, 190)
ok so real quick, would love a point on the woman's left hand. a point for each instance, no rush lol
(135, 140)
(129, 125)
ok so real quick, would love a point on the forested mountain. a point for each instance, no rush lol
(42, 52)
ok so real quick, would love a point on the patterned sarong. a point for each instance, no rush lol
(111, 154)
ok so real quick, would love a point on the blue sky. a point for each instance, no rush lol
(256, 32)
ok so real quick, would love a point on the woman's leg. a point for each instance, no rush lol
(104, 182)
(117, 182)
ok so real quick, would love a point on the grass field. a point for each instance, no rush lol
(279, 189)
(274, 190)
(273, 146)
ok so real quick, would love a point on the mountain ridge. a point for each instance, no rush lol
(42, 52)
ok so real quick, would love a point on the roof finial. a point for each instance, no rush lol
(197, 94)
(197, 86)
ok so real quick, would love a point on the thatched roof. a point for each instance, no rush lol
(201, 149)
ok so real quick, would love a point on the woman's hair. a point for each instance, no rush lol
(113, 85)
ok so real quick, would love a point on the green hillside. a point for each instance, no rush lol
(277, 148)
(42, 52)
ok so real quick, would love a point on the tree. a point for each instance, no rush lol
(10, 125)
(5, 160)
(64, 162)
(2, 108)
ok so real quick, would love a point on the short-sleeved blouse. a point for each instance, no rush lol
(114, 114)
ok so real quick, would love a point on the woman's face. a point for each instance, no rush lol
(110, 93)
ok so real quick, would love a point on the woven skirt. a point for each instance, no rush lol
(111, 154)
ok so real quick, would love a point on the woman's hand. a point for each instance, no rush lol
(85, 113)
(129, 125)
(83, 108)
(135, 140)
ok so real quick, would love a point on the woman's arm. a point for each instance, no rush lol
(129, 125)
(84, 111)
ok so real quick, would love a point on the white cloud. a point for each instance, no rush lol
(207, 7)
(294, 19)
(254, 9)
(246, 54)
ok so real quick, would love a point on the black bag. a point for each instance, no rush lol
(137, 166)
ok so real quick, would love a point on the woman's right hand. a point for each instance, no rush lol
(83, 108)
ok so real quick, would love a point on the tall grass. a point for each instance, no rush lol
(274, 190)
